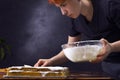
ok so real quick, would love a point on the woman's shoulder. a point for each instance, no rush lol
(96, 2)
(118, 1)
(114, 11)
(114, 3)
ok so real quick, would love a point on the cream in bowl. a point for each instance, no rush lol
(82, 50)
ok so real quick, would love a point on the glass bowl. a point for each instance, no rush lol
(82, 50)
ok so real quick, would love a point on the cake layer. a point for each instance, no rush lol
(38, 71)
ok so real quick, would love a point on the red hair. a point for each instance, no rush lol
(56, 1)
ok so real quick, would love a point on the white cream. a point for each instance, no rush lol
(82, 53)
(50, 67)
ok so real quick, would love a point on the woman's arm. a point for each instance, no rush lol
(116, 46)
(107, 49)
(59, 58)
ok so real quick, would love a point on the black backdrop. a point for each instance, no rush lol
(34, 29)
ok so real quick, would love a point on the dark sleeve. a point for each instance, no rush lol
(114, 10)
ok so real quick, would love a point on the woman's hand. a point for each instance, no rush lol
(43, 62)
(106, 50)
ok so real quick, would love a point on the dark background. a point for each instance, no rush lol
(35, 29)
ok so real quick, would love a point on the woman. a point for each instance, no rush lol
(92, 20)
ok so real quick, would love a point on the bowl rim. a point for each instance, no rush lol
(78, 42)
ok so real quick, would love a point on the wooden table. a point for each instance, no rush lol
(80, 76)
(89, 76)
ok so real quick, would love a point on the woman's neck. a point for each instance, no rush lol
(87, 9)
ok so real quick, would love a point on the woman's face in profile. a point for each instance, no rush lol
(70, 8)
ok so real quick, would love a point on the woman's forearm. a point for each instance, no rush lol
(116, 46)
(59, 59)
